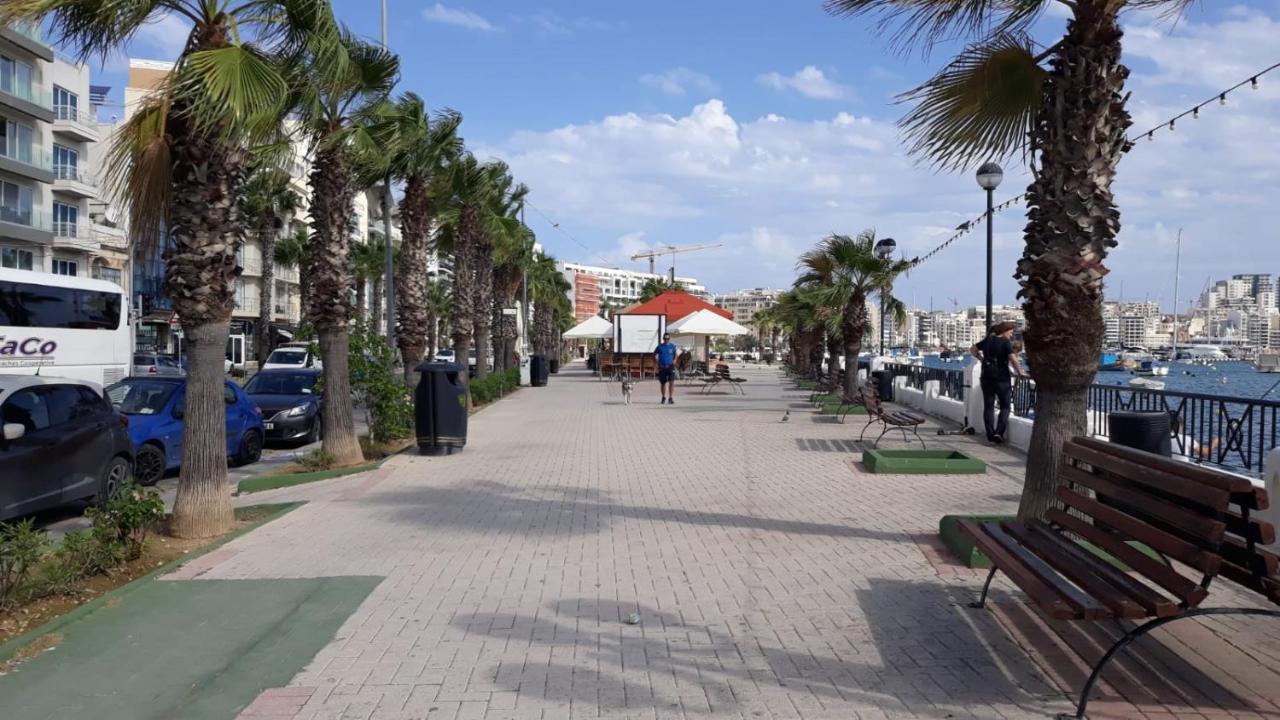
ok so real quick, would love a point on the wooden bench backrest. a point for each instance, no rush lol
(1134, 496)
(871, 398)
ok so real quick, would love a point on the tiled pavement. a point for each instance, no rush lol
(771, 576)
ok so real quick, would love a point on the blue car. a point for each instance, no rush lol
(155, 408)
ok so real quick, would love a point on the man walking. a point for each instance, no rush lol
(666, 357)
(995, 352)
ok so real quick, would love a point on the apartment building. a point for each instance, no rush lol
(744, 304)
(620, 288)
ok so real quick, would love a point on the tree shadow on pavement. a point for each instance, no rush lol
(486, 506)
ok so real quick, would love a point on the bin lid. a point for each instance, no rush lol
(439, 367)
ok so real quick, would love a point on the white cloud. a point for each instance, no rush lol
(679, 81)
(164, 38)
(458, 16)
(550, 23)
(809, 81)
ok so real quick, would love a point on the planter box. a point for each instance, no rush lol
(922, 462)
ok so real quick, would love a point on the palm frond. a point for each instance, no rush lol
(139, 168)
(230, 88)
(979, 107)
(927, 22)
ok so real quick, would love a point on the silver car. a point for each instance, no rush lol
(155, 364)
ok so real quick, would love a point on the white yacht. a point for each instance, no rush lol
(1268, 361)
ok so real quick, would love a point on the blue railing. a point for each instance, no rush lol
(1231, 432)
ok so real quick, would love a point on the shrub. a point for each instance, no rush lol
(494, 386)
(21, 547)
(82, 553)
(124, 520)
(316, 460)
(375, 381)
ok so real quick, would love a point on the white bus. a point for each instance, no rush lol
(64, 326)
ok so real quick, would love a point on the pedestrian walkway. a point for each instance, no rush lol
(587, 558)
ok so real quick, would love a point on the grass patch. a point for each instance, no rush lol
(837, 407)
(298, 476)
(922, 462)
(30, 629)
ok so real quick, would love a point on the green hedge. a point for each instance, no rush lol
(494, 386)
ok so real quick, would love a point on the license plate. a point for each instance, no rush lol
(270, 426)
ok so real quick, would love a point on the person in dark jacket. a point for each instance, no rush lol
(995, 352)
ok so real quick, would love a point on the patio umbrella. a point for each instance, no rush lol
(594, 327)
(705, 324)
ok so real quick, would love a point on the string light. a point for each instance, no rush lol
(1195, 114)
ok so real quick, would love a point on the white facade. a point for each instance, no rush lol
(623, 287)
(744, 304)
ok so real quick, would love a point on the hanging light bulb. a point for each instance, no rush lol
(1253, 82)
(1171, 123)
(1222, 99)
(1151, 135)
(1195, 113)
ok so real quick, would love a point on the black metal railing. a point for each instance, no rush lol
(950, 382)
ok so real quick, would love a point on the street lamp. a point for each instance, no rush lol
(883, 249)
(989, 177)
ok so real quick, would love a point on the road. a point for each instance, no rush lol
(68, 518)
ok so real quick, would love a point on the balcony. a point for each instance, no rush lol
(286, 274)
(109, 237)
(29, 162)
(74, 180)
(28, 37)
(29, 99)
(28, 224)
(250, 268)
(76, 124)
(73, 236)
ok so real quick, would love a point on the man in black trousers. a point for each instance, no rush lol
(995, 352)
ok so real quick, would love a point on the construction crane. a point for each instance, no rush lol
(671, 250)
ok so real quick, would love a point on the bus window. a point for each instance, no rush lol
(43, 306)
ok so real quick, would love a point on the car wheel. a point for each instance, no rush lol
(250, 448)
(313, 436)
(114, 475)
(148, 466)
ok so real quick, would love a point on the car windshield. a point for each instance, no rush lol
(140, 398)
(144, 360)
(282, 384)
(288, 357)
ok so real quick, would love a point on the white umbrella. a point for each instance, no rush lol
(594, 327)
(705, 323)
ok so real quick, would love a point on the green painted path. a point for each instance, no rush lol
(183, 650)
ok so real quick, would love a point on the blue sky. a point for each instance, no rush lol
(764, 125)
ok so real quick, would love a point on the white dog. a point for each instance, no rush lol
(627, 387)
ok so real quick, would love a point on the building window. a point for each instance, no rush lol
(110, 274)
(65, 219)
(65, 162)
(15, 77)
(239, 292)
(66, 104)
(15, 203)
(15, 140)
(64, 267)
(16, 259)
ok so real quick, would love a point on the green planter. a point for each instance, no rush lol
(922, 462)
(960, 544)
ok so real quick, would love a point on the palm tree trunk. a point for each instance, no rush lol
(833, 359)
(328, 264)
(202, 507)
(412, 317)
(854, 322)
(483, 316)
(361, 292)
(267, 236)
(1072, 222)
(375, 305)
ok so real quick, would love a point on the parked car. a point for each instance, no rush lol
(291, 357)
(155, 407)
(61, 442)
(289, 402)
(156, 364)
(445, 355)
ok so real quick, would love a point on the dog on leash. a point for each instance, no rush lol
(627, 387)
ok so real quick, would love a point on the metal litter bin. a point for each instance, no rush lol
(553, 365)
(883, 380)
(1149, 431)
(440, 408)
(538, 371)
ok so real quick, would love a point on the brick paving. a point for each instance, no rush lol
(772, 578)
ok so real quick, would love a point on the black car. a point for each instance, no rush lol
(290, 403)
(61, 442)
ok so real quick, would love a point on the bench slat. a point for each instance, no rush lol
(1188, 553)
(1260, 562)
(1196, 527)
(1152, 602)
(1243, 491)
(1058, 598)
(1260, 531)
(1079, 572)
(1186, 590)
(1156, 478)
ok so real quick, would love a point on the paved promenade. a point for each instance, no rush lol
(771, 576)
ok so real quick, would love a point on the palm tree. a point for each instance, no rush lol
(290, 252)
(551, 308)
(420, 151)
(267, 203)
(180, 162)
(798, 314)
(1064, 108)
(654, 287)
(507, 240)
(513, 255)
(341, 87)
(367, 259)
(437, 304)
(844, 271)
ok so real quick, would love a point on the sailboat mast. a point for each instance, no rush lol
(1177, 270)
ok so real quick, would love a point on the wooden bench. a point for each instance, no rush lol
(721, 375)
(877, 413)
(1118, 500)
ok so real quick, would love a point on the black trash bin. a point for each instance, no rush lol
(553, 365)
(538, 370)
(883, 381)
(1149, 431)
(440, 408)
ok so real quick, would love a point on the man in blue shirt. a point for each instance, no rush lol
(666, 357)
